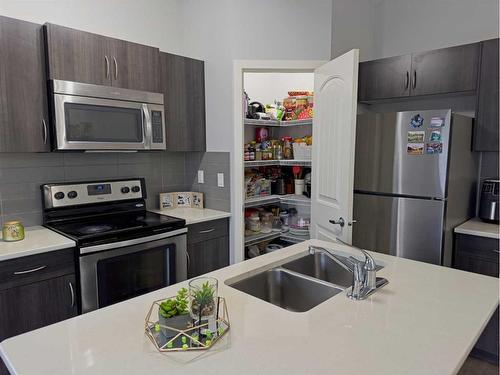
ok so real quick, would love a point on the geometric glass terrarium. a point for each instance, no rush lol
(206, 323)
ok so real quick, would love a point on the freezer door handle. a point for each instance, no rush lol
(340, 222)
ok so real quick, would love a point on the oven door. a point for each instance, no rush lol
(85, 123)
(114, 275)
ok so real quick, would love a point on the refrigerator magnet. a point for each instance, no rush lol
(417, 121)
(435, 136)
(437, 122)
(415, 148)
(416, 136)
(434, 148)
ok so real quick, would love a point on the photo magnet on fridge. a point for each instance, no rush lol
(416, 136)
(435, 136)
(437, 122)
(415, 148)
(434, 148)
(417, 121)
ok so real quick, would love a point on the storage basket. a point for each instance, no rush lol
(302, 151)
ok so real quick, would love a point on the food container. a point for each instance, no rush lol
(284, 217)
(266, 225)
(261, 135)
(12, 231)
(299, 187)
(254, 224)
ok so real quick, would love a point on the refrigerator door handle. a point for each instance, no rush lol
(350, 223)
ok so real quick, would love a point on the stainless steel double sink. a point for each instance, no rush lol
(298, 285)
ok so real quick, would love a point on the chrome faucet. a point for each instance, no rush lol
(364, 273)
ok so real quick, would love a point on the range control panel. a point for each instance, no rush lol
(63, 195)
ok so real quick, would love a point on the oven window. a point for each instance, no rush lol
(93, 123)
(130, 275)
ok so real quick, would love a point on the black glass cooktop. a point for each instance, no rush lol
(116, 226)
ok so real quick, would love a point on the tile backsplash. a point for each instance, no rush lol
(21, 175)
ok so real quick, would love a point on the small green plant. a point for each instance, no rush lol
(175, 306)
(203, 298)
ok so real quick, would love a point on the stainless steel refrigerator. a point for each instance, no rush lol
(414, 181)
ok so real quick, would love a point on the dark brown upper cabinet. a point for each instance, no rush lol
(486, 126)
(79, 56)
(446, 70)
(23, 93)
(385, 78)
(183, 87)
(443, 71)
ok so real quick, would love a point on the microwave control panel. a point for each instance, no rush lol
(157, 126)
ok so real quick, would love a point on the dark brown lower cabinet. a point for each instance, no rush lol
(480, 255)
(207, 246)
(208, 256)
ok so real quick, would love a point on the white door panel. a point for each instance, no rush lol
(334, 131)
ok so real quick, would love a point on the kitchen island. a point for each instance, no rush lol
(425, 321)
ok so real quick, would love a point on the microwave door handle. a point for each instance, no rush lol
(146, 125)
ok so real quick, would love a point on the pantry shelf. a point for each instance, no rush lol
(295, 199)
(260, 201)
(292, 238)
(277, 123)
(265, 163)
(257, 238)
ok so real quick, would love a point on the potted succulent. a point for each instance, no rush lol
(173, 312)
(203, 298)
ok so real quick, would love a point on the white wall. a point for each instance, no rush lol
(268, 87)
(152, 22)
(383, 28)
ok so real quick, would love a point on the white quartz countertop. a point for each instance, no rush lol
(425, 321)
(477, 227)
(194, 215)
(36, 240)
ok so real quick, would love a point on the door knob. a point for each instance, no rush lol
(340, 222)
(350, 223)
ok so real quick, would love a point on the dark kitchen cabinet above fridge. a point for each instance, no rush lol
(443, 71)
(79, 56)
(486, 126)
(23, 93)
(183, 87)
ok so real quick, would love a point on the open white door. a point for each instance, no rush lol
(334, 132)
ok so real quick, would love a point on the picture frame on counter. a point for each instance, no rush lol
(182, 199)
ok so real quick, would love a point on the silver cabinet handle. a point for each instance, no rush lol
(116, 67)
(350, 223)
(414, 79)
(72, 290)
(45, 131)
(496, 251)
(407, 82)
(206, 231)
(340, 222)
(107, 65)
(29, 271)
(188, 260)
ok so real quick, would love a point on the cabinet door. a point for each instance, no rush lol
(486, 126)
(183, 87)
(384, 78)
(35, 305)
(134, 66)
(23, 92)
(78, 56)
(447, 70)
(208, 256)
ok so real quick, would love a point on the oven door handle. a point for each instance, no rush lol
(146, 126)
(134, 241)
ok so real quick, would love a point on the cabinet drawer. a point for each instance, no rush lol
(207, 230)
(38, 267)
(480, 247)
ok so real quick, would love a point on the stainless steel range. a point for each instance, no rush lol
(123, 250)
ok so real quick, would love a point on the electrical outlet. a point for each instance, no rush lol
(220, 180)
(201, 177)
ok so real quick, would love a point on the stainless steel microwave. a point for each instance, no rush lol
(92, 117)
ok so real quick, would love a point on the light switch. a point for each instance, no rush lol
(220, 179)
(201, 177)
